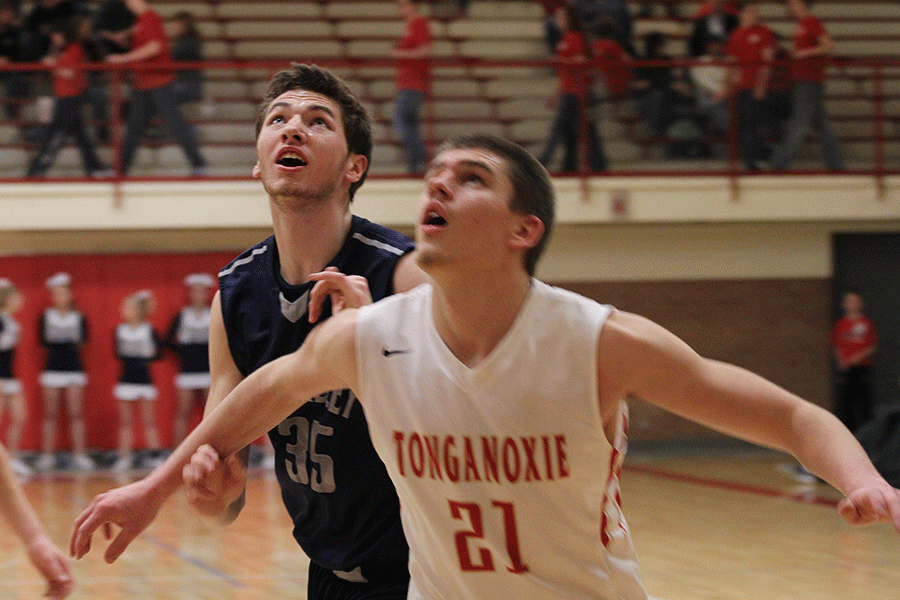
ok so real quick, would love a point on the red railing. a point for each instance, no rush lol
(875, 153)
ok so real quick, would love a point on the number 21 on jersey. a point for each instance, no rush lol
(467, 539)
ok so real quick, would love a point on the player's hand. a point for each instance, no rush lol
(872, 504)
(53, 565)
(345, 291)
(213, 484)
(131, 508)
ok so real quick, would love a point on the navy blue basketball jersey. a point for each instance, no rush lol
(344, 508)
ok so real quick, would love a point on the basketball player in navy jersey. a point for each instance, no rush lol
(313, 148)
(500, 410)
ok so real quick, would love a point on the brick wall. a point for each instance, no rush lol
(776, 328)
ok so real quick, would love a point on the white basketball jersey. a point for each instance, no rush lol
(508, 485)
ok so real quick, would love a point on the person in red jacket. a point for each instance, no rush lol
(854, 340)
(752, 45)
(612, 60)
(69, 87)
(812, 45)
(153, 87)
(413, 83)
(572, 52)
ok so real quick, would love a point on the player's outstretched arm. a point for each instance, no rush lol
(640, 358)
(43, 553)
(325, 362)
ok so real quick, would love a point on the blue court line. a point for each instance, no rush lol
(192, 560)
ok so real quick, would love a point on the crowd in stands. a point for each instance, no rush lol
(739, 82)
(737, 76)
(66, 34)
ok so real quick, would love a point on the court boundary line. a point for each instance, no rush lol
(159, 543)
(799, 497)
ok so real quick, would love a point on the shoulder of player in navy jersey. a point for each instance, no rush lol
(248, 257)
(380, 236)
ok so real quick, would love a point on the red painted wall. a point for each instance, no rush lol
(100, 283)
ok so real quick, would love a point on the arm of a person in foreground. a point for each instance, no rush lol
(641, 358)
(327, 361)
(215, 488)
(43, 553)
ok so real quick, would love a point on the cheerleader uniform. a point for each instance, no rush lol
(136, 348)
(189, 337)
(9, 339)
(63, 334)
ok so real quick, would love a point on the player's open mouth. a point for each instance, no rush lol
(432, 218)
(291, 160)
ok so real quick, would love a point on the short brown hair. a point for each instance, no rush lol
(312, 78)
(533, 192)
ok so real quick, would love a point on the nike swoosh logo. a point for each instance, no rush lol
(387, 352)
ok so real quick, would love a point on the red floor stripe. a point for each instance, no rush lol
(805, 497)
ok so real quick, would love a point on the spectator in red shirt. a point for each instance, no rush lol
(413, 83)
(612, 59)
(572, 53)
(812, 45)
(752, 45)
(854, 340)
(153, 87)
(69, 87)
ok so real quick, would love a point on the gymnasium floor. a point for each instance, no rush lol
(707, 526)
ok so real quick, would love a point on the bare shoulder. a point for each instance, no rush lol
(333, 346)
(633, 349)
(624, 330)
(334, 337)
(408, 274)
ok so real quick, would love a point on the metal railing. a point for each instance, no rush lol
(863, 96)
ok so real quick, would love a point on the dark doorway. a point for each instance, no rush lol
(870, 262)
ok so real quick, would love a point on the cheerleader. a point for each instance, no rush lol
(12, 398)
(189, 337)
(63, 331)
(137, 345)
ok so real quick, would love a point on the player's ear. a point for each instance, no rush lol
(356, 167)
(255, 173)
(527, 232)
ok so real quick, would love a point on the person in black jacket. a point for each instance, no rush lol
(715, 20)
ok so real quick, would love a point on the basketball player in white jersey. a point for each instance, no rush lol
(497, 403)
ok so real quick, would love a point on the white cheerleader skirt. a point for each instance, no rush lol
(62, 379)
(193, 381)
(131, 392)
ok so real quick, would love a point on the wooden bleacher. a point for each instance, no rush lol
(510, 101)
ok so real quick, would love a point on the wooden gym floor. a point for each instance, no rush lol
(707, 526)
